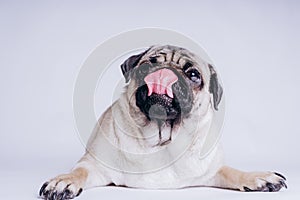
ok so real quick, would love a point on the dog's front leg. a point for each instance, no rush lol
(249, 181)
(67, 186)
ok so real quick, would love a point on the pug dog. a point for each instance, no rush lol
(153, 135)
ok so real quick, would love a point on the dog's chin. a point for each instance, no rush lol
(159, 107)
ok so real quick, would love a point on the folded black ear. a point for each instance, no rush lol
(215, 87)
(131, 63)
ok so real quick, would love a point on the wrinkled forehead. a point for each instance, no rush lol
(178, 56)
(169, 50)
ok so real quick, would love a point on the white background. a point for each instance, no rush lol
(254, 44)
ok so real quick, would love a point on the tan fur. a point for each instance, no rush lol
(74, 181)
(230, 178)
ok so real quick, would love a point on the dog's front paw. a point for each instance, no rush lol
(60, 188)
(263, 182)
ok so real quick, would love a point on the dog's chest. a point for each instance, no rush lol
(182, 172)
(176, 166)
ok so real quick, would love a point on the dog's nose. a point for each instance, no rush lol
(161, 81)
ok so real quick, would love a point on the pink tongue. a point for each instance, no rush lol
(160, 82)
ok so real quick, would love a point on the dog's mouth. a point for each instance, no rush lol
(158, 106)
(164, 97)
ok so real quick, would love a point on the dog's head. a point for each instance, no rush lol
(168, 83)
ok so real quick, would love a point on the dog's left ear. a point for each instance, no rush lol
(130, 64)
(215, 87)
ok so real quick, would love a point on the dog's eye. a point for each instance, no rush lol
(194, 75)
(153, 59)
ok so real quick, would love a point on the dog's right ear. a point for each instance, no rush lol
(215, 87)
(130, 64)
